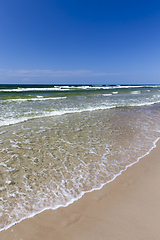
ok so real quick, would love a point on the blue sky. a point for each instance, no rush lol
(80, 42)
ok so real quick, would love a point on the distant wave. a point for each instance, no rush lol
(67, 88)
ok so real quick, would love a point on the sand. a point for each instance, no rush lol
(126, 209)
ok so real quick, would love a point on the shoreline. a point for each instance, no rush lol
(122, 209)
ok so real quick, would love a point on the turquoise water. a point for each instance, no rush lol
(59, 142)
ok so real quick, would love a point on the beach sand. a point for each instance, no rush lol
(127, 208)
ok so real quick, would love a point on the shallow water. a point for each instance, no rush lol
(46, 162)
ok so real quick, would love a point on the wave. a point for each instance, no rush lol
(10, 121)
(68, 88)
(39, 98)
(52, 114)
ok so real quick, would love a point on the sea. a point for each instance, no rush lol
(59, 142)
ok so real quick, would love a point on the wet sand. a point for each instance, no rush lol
(126, 209)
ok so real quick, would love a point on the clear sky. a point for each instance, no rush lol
(80, 41)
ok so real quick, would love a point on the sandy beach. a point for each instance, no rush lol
(79, 120)
(127, 208)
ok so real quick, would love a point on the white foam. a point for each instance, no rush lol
(143, 104)
(135, 92)
(73, 199)
(109, 94)
(32, 89)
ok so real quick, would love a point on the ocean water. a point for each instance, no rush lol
(59, 142)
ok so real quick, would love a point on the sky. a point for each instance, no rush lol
(79, 42)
